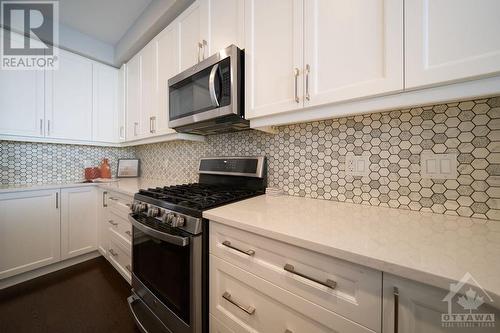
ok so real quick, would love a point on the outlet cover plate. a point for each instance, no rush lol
(438, 166)
(357, 165)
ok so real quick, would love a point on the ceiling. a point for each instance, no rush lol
(104, 20)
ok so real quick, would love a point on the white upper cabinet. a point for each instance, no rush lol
(192, 43)
(167, 66)
(78, 221)
(21, 103)
(147, 111)
(122, 102)
(273, 56)
(352, 49)
(29, 237)
(106, 127)
(68, 98)
(133, 97)
(225, 23)
(450, 40)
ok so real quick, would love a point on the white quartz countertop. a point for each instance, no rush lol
(430, 248)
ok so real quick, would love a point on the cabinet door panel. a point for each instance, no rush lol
(133, 97)
(271, 58)
(353, 49)
(69, 98)
(122, 101)
(105, 121)
(147, 111)
(450, 40)
(167, 64)
(29, 231)
(78, 221)
(225, 23)
(189, 36)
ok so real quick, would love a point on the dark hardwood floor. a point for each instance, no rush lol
(88, 297)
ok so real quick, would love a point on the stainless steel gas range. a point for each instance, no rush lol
(170, 243)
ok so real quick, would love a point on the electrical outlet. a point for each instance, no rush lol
(357, 165)
(438, 166)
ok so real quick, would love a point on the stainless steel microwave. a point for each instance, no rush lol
(208, 97)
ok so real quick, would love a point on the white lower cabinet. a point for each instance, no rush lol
(119, 255)
(78, 221)
(29, 231)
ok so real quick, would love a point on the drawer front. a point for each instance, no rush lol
(120, 257)
(348, 289)
(217, 327)
(244, 302)
(119, 204)
(120, 226)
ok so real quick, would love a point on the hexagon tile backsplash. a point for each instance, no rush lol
(309, 159)
(42, 163)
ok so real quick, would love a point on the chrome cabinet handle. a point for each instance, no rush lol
(122, 132)
(113, 198)
(113, 253)
(112, 223)
(200, 45)
(128, 232)
(41, 126)
(129, 268)
(396, 309)
(135, 128)
(308, 70)
(329, 283)
(205, 45)
(57, 200)
(104, 194)
(248, 309)
(152, 124)
(296, 73)
(48, 127)
(247, 252)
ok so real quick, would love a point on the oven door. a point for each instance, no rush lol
(206, 91)
(166, 273)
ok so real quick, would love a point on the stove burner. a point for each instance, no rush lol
(198, 196)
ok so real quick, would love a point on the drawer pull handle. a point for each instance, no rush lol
(396, 309)
(128, 232)
(249, 309)
(129, 268)
(329, 283)
(114, 199)
(113, 253)
(112, 223)
(247, 252)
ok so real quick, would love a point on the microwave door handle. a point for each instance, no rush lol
(211, 85)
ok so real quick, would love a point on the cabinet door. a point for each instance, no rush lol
(419, 308)
(273, 61)
(352, 49)
(21, 103)
(102, 222)
(29, 231)
(78, 221)
(167, 66)
(69, 98)
(133, 97)
(225, 22)
(450, 40)
(147, 112)
(122, 102)
(190, 41)
(105, 114)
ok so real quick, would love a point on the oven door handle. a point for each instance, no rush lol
(172, 239)
(211, 85)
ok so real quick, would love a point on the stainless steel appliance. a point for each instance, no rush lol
(170, 243)
(208, 97)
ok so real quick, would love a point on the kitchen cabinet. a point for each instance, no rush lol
(29, 231)
(133, 97)
(450, 40)
(147, 77)
(78, 221)
(225, 20)
(193, 40)
(415, 307)
(122, 102)
(167, 66)
(273, 61)
(352, 49)
(68, 98)
(320, 52)
(106, 126)
(102, 222)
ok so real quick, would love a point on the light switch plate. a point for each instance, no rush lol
(357, 165)
(438, 166)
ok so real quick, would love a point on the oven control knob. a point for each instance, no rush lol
(143, 207)
(153, 212)
(168, 217)
(178, 221)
